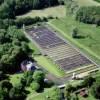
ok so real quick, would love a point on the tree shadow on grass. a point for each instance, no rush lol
(80, 37)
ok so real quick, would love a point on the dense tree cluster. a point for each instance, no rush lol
(13, 49)
(17, 91)
(97, 0)
(10, 92)
(95, 88)
(34, 80)
(90, 15)
(29, 21)
(61, 2)
(11, 8)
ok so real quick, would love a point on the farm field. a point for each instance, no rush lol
(57, 11)
(59, 51)
(90, 44)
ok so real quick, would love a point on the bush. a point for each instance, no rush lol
(35, 86)
(75, 33)
(29, 21)
(69, 88)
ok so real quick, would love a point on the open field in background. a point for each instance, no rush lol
(91, 42)
(57, 11)
(49, 65)
(87, 3)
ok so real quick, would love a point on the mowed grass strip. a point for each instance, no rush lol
(91, 42)
(49, 66)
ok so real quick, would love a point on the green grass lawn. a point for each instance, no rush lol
(87, 3)
(49, 66)
(34, 48)
(57, 11)
(90, 44)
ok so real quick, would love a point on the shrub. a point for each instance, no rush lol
(35, 86)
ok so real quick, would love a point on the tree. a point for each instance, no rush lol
(2, 36)
(27, 78)
(4, 95)
(75, 97)
(5, 84)
(67, 95)
(90, 15)
(56, 94)
(13, 46)
(39, 77)
(74, 33)
(2, 76)
(95, 90)
(16, 94)
(61, 2)
(88, 81)
(6, 10)
(69, 88)
(1, 1)
(35, 86)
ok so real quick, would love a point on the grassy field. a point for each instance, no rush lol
(87, 2)
(34, 48)
(49, 66)
(90, 44)
(57, 11)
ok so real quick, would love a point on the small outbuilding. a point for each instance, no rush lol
(28, 66)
